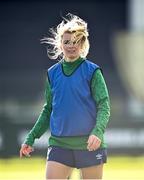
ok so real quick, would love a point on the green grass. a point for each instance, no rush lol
(117, 168)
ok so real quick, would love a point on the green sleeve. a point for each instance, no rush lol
(101, 96)
(42, 123)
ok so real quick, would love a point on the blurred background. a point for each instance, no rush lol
(117, 45)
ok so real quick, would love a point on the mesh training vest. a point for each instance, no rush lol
(73, 108)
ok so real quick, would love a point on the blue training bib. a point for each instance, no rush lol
(73, 107)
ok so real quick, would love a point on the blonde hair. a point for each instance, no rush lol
(71, 24)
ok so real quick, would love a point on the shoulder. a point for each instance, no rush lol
(91, 64)
(92, 67)
(52, 71)
(54, 67)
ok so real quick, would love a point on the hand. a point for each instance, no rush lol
(93, 143)
(25, 150)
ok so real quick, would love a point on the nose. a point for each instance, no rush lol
(71, 44)
(70, 47)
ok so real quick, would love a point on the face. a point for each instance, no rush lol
(70, 48)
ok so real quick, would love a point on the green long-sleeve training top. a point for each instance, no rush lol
(101, 97)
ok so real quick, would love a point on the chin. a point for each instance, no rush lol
(72, 57)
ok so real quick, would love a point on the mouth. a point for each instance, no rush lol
(71, 51)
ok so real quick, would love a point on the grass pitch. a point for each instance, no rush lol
(117, 168)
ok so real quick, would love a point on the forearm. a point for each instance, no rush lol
(42, 124)
(101, 97)
(40, 127)
(103, 114)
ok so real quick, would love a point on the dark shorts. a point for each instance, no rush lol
(77, 158)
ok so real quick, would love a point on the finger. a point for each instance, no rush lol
(92, 145)
(25, 150)
(97, 144)
(24, 146)
(30, 149)
(26, 153)
(21, 150)
(21, 154)
(90, 141)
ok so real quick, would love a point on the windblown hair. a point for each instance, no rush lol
(70, 24)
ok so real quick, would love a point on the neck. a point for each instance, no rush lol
(71, 60)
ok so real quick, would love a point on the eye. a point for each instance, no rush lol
(66, 42)
(74, 42)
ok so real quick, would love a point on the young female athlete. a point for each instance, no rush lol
(77, 107)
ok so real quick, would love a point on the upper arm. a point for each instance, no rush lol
(98, 86)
